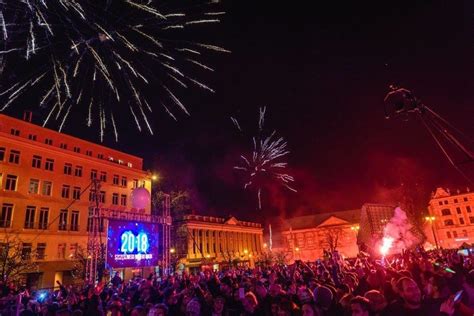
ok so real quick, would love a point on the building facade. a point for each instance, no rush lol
(306, 237)
(210, 240)
(46, 190)
(452, 217)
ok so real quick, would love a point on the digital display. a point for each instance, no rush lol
(132, 244)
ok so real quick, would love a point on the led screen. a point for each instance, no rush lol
(132, 244)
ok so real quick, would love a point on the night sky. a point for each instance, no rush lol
(322, 70)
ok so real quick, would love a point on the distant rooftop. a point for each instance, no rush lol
(311, 221)
(231, 220)
(440, 193)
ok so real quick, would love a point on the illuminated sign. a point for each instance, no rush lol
(132, 244)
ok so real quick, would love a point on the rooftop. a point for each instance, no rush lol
(312, 221)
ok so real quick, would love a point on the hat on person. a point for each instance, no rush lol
(323, 297)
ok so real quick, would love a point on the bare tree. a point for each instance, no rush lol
(329, 238)
(16, 258)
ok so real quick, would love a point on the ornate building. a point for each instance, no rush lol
(45, 192)
(306, 237)
(202, 240)
(451, 219)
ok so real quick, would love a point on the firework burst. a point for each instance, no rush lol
(266, 162)
(108, 57)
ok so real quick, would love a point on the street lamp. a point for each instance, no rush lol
(172, 250)
(431, 219)
(355, 228)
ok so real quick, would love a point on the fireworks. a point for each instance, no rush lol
(266, 161)
(106, 56)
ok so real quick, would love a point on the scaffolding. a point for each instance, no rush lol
(97, 224)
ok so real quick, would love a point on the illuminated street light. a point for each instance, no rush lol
(172, 250)
(265, 245)
(155, 177)
(208, 256)
(297, 249)
(355, 227)
(246, 251)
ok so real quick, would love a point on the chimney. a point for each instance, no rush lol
(467, 189)
(27, 116)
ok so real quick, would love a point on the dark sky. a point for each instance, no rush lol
(322, 70)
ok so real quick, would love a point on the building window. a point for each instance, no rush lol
(448, 234)
(77, 150)
(65, 191)
(41, 251)
(123, 200)
(78, 171)
(471, 219)
(445, 202)
(129, 164)
(73, 249)
(76, 193)
(14, 157)
(62, 220)
(448, 222)
(445, 212)
(61, 251)
(124, 182)
(461, 220)
(101, 197)
(26, 250)
(115, 180)
(47, 188)
(74, 221)
(32, 137)
(440, 202)
(6, 215)
(30, 217)
(34, 186)
(103, 176)
(15, 132)
(458, 210)
(49, 165)
(63, 146)
(68, 169)
(43, 218)
(88, 152)
(115, 198)
(455, 200)
(10, 183)
(455, 234)
(465, 199)
(48, 141)
(2, 153)
(468, 209)
(135, 184)
(36, 162)
(100, 156)
(92, 195)
(464, 233)
(93, 174)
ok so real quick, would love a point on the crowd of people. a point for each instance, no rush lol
(439, 282)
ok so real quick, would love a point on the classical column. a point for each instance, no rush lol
(190, 250)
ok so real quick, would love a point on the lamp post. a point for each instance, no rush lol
(431, 219)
